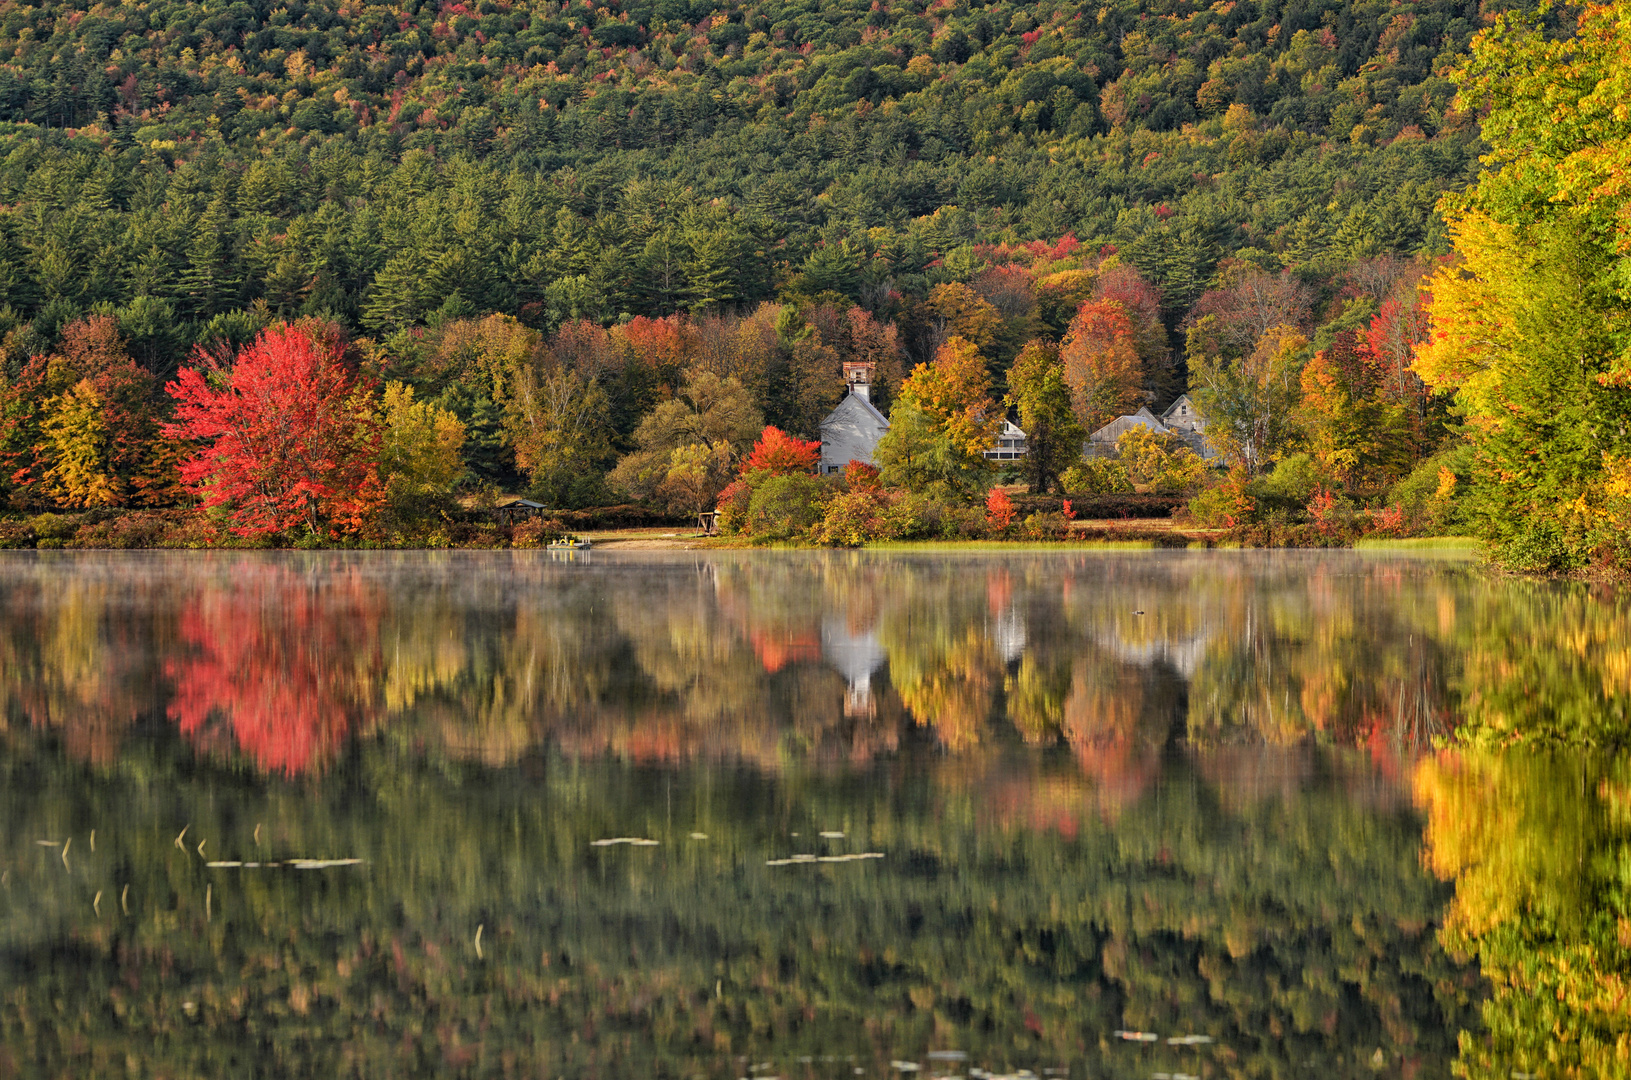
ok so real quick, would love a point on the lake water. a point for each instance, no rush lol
(786, 814)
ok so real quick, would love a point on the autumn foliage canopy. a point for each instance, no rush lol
(781, 454)
(285, 438)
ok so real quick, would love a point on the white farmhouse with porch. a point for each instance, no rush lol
(1010, 444)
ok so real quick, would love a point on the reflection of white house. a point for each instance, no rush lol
(852, 430)
(1184, 655)
(1181, 419)
(1010, 444)
(857, 657)
(1008, 635)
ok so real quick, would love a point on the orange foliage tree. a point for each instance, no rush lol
(1121, 283)
(286, 437)
(1100, 355)
(79, 427)
(781, 454)
(955, 393)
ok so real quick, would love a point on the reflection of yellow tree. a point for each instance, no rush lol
(1357, 659)
(74, 659)
(1036, 697)
(1540, 852)
(950, 686)
(942, 660)
(1547, 664)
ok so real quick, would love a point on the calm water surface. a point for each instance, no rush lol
(876, 813)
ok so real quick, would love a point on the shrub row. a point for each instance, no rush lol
(126, 530)
(1101, 507)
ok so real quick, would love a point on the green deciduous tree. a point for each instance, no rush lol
(1250, 404)
(1053, 435)
(714, 414)
(560, 424)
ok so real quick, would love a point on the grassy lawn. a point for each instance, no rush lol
(1422, 543)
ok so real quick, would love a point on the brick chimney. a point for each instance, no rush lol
(858, 376)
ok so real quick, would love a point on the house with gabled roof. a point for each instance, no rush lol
(1102, 443)
(1182, 416)
(852, 431)
(1181, 419)
(1187, 422)
(1011, 445)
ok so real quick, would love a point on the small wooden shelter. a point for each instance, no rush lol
(519, 510)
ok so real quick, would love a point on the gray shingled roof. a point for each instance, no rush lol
(1118, 427)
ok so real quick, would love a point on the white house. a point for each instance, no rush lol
(852, 430)
(1010, 444)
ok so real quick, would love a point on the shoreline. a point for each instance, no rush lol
(181, 531)
(1099, 535)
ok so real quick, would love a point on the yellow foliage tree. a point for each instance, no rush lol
(75, 428)
(1531, 321)
(954, 392)
(968, 315)
(1160, 463)
(1251, 404)
(419, 451)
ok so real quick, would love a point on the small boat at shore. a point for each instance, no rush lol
(569, 543)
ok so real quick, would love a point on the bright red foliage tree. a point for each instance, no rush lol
(999, 509)
(860, 476)
(286, 437)
(781, 454)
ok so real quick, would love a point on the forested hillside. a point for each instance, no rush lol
(548, 220)
(380, 164)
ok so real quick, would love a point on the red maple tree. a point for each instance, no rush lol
(999, 509)
(860, 476)
(781, 454)
(285, 438)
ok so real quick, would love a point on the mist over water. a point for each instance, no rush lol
(866, 807)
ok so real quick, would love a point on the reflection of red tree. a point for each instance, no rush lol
(1102, 725)
(286, 665)
(778, 648)
(999, 590)
(1036, 803)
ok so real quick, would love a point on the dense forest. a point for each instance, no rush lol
(598, 255)
(383, 165)
(588, 252)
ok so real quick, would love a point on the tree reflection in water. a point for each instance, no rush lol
(280, 658)
(1159, 791)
